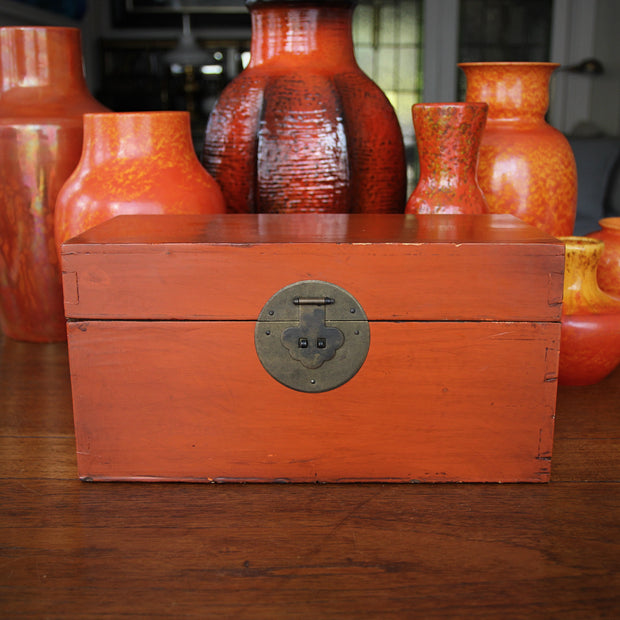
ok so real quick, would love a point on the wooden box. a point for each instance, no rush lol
(451, 358)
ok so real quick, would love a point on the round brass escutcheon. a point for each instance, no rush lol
(312, 336)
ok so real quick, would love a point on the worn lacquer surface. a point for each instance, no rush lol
(302, 128)
(526, 167)
(459, 382)
(43, 95)
(590, 348)
(400, 267)
(448, 139)
(433, 402)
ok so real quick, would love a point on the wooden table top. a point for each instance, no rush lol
(71, 549)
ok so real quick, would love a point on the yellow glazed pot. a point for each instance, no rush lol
(590, 341)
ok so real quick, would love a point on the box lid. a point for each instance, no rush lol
(399, 267)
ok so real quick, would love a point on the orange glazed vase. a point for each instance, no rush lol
(302, 128)
(526, 167)
(608, 273)
(135, 162)
(448, 138)
(43, 95)
(590, 340)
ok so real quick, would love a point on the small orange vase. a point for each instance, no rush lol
(448, 138)
(43, 96)
(526, 167)
(302, 128)
(134, 162)
(608, 273)
(590, 341)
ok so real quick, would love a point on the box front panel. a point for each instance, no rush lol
(434, 401)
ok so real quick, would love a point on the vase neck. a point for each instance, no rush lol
(514, 91)
(434, 167)
(46, 59)
(132, 135)
(317, 35)
(581, 289)
(448, 139)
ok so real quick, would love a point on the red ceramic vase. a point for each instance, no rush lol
(448, 138)
(43, 95)
(135, 162)
(526, 167)
(590, 341)
(302, 128)
(608, 273)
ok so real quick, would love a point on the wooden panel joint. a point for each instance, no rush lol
(70, 288)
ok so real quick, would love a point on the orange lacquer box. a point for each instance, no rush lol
(314, 348)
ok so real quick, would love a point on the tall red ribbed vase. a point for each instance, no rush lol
(43, 95)
(302, 128)
(526, 167)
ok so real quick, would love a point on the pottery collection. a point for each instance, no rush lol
(301, 129)
(590, 337)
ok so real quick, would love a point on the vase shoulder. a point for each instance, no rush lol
(49, 113)
(134, 163)
(531, 173)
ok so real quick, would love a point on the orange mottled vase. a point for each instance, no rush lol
(590, 340)
(608, 273)
(302, 128)
(135, 162)
(43, 95)
(448, 138)
(526, 167)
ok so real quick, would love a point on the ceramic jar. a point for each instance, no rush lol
(526, 167)
(43, 95)
(302, 128)
(590, 341)
(608, 273)
(448, 138)
(134, 162)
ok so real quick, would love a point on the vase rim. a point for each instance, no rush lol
(39, 28)
(576, 242)
(251, 4)
(612, 223)
(452, 104)
(143, 114)
(555, 65)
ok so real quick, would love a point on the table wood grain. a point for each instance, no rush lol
(70, 549)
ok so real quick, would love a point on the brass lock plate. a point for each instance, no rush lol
(312, 336)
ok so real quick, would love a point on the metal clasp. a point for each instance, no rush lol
(312, 336)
